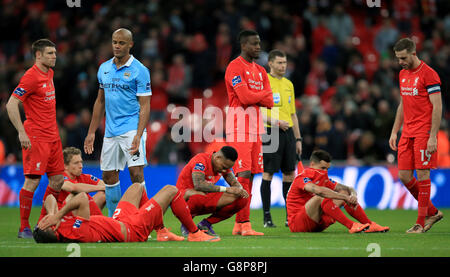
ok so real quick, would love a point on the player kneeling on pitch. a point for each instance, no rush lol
(134, 219)
(313, 201)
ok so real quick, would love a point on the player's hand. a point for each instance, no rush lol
(352, 200)
(298, 148)
(432, 144)
(49, 221)
(393, 142)
(25, 142)
(238, 191)
(135, 145)
(89, 143)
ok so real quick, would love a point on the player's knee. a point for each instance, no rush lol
(240, 202)
(172, 190)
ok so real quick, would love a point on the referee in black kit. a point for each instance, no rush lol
(284, 117)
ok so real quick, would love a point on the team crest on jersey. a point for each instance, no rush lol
(77, 224)
(19, 91)
(236, 80)
(199, 166)
(127, 75)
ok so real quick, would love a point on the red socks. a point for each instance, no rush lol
(329, 208)
(358, 213)
(144, 198)
(423, 199)
(25, 201)
(413, 187)
(244, 214)
(181, 210)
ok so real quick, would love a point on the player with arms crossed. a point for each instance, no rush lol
(124, 94)
(314, 201)
(75, 181)
(197, 184)
(133, 220)
(419, 112)
(248, 89)
(38, 135)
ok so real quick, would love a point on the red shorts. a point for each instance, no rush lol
(250, 155)
(139, 222)
(43, 157)
(412, 154)
(204, 204)
(300, 222)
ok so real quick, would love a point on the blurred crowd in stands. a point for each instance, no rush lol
(340, 61)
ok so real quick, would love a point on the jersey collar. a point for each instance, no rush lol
(127, 64)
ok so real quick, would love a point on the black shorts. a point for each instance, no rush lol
(285, 158)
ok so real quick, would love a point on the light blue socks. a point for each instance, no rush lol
(113, 195)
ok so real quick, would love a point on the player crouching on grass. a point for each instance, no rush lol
(197, 183)
(133, 220)
(313, 201)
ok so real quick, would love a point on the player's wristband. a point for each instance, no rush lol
(299, 139)
(222, 189)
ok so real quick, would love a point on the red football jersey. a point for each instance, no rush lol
(37, 93)
(199, 163)
(248, 88)
(415, 87)
(298, 196)
(97, 228)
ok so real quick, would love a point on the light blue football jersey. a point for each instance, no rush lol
(122, 87)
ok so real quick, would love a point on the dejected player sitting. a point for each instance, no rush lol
(197, 183)
(133, 220)
(314, 201)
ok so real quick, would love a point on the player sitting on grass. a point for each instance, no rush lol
(75, 181)
(133, 220)
(313, 201)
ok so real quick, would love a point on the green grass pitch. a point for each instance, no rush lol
(277, 242)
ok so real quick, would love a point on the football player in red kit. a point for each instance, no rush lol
(133, 220)
(419, 112)
(75, 181)
(248, 89)
(313, 201)
(38, 135)
(197, 184)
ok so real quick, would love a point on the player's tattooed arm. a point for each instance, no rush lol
(201, 184)
(340, 187)
(231, 180)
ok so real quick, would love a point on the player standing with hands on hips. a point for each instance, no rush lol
(419, 112)
(124, 94)
(38, 135)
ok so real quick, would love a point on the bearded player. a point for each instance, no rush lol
(419, 112)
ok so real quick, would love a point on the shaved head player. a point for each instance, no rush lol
(124, 94)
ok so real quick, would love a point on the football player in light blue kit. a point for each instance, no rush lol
(124, 94)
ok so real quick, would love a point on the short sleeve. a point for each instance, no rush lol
(90, 179)
(26, 87)
(99, 77)
(143, 82)
(292, 98)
